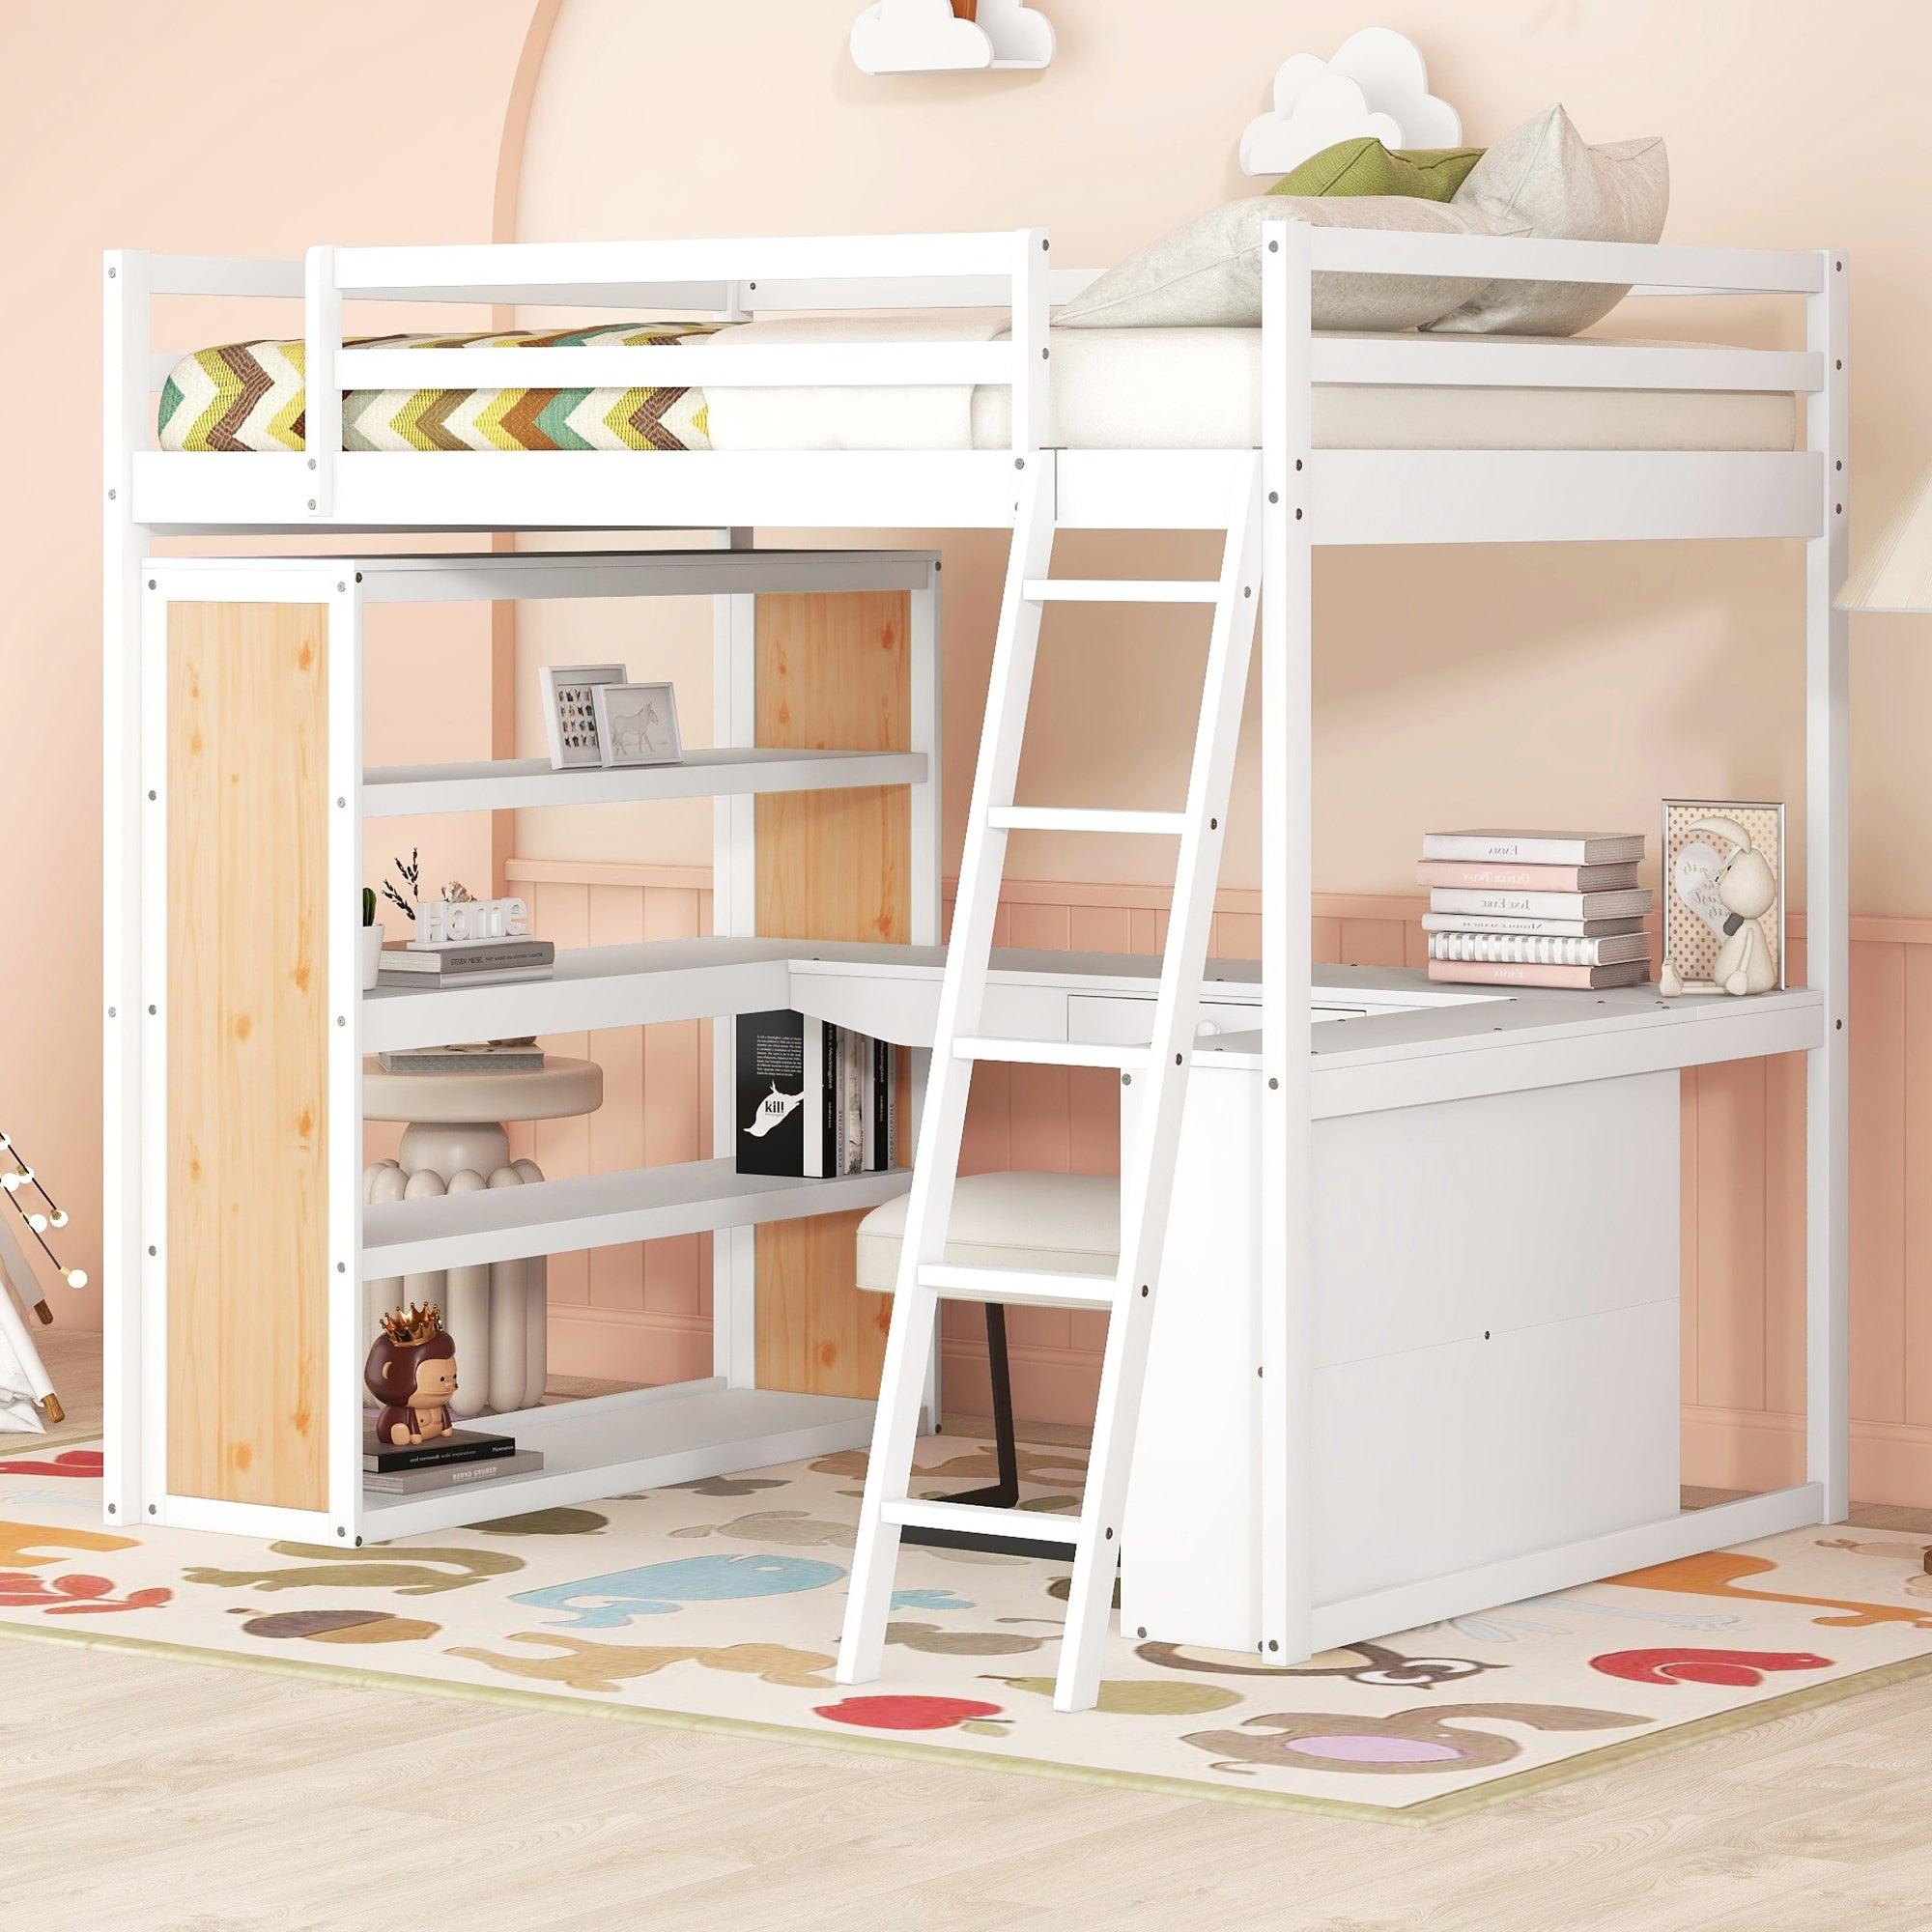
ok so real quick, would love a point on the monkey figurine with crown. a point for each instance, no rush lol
(412, 1371)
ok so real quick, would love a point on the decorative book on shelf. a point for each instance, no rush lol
(471, 962)
(1519, 908)
(1536, 848)
(813, 1100)
(1579, 979)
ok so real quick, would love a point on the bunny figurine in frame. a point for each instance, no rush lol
(1745, 889)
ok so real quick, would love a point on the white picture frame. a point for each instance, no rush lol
(636, 725)
(570, 718)
(1692, 926)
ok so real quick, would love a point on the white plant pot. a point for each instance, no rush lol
(372, 955)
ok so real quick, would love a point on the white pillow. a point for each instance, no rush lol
(1546, 178)
(1208, 272)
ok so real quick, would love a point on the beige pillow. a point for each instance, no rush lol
(1208, 272)
(1545, 176)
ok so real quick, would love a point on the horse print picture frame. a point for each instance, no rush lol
(636, 725)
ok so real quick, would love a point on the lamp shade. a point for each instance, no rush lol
(1895, 574)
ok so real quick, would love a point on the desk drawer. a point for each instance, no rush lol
(1106, 1021)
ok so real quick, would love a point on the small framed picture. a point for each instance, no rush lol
(1723, 869)
(637, 724)
(570, 718)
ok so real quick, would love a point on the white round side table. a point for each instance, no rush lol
(454, 1142)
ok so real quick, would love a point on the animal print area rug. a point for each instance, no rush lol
(717, 1604)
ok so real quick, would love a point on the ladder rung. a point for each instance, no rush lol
(1120, 590)
(1073, 818)
(1030, 1525)
(1018, 1288)
(1051, 1053)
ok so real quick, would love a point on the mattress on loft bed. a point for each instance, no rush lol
(1111, 388)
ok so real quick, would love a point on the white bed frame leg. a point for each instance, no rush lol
(926, 910)
(1827, 858)
(123, 552)
(1285, 1339)
(734, 910)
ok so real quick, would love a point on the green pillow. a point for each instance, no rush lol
(1364, 166)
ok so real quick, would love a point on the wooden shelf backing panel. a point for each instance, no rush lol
(831, 865)
(247, 1123)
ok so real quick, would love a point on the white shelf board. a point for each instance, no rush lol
(647, 984)
(598, 1211)
(501, 575)
(396, 791)
(643, 1440)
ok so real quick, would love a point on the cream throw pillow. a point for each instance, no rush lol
(1546, 178)
(1208, 272)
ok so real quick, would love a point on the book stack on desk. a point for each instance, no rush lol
(1535, 908)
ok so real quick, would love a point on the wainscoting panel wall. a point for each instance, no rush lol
(644, 1312)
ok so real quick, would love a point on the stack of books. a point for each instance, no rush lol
(1536, 908)
(467, 962)
(464, 1456)
(813, 1100)
(486, 1056)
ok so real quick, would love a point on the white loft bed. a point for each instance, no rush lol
(1315, 495)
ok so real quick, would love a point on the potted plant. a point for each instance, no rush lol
(372, 942)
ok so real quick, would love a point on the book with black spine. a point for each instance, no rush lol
(454, 1475)
(770, 1095)
(461, 1445)
(828, 1111)
(882, 1132)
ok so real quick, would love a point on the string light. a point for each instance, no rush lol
(38, 1220)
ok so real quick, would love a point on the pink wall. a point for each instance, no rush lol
(195, 126)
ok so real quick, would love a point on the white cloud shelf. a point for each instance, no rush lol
(926, 37)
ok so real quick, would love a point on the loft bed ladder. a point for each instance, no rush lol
(925, 1276)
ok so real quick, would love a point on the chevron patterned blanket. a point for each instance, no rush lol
(252, 395)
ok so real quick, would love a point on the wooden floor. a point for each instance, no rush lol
(161, 1795)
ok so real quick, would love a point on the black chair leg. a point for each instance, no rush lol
(1004, 1493)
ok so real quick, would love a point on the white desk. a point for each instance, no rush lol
(1494, 1375)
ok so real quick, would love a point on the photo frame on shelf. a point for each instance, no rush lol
(636, 725)
(1702, 839)
(570, 717)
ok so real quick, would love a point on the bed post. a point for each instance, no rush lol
(1285, 1328)
(123, 552)
(734, 911)
(1827, 860)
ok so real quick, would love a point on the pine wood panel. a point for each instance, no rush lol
(247, 847)
(832, 671)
